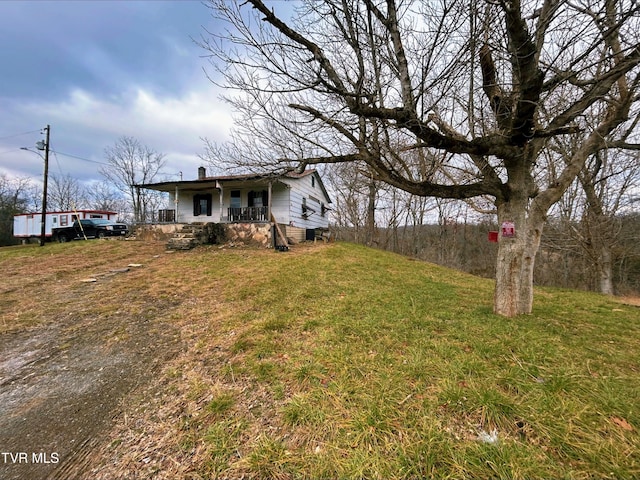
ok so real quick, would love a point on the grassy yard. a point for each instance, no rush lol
(338, 361)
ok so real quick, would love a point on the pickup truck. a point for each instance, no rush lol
(90, 228)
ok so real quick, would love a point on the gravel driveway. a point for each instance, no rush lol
(63, 381)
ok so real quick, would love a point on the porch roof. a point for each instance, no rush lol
(248, 179)
(206, 182)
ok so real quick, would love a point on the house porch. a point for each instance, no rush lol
(230, 215)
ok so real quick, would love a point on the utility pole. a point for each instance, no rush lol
(44, 147)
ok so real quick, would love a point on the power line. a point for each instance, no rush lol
(57, 162)
(81, 158)
(20, 134)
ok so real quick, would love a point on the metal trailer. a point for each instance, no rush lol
(28, 225)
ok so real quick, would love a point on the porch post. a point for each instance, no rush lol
(175, 207)
(220, 189)
(269, 201)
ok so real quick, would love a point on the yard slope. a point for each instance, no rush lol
(339, 361)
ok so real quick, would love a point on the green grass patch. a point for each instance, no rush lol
(390, 368)
(347, 362)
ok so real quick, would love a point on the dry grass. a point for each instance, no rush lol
(635, 301)
(336, 361)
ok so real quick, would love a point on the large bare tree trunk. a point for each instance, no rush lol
(516, 256)
(510, 260)
(358, 83)
(605, 270)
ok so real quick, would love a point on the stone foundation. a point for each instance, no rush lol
(255, 234)
(159, 232)
(181, 236)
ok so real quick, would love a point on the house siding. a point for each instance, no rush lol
(185, 206)
(307, 188)
(288, 195)
(280, 203)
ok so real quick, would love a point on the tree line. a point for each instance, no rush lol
(591, 240)
(564, 259)
(499, 103)
(127, 163)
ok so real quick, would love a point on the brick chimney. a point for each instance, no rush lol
(202, 173)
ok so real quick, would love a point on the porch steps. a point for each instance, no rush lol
(189, 236)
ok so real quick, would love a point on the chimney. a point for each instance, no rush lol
(202, 173)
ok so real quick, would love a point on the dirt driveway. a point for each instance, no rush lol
(71, 349)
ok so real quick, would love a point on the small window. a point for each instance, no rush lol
(64, 220)
(202, 204)
(306, 209)
(258, 199)
(313, 181)
(235, 199)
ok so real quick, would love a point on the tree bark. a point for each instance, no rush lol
(516, 255)
(510, 259)
(605, 270)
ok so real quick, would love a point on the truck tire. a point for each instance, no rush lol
(100, 234)
(63, 238)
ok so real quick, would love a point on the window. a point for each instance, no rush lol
(235, 199)
(258, 199)
(307, 211)
(202, 204)
(64, 220)
(313, 181)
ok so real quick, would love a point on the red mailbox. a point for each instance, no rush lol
(508, 229)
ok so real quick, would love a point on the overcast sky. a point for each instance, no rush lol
(99, 70)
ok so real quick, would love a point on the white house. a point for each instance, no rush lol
(296, 201)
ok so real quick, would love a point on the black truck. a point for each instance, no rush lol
(90, 228)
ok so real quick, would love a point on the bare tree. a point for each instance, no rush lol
(65, 193)
(104, 196)
(481, 88)
(14, 194)
(350, 200)
(131, 164)
(592, 214)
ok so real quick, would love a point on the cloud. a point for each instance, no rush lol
(96, 71)
(84, 124)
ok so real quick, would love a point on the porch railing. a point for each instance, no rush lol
(247, 214)
(234, 214)
(166, 216)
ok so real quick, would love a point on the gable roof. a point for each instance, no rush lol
(205, 182)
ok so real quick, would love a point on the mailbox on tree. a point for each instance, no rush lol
(508, 230)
